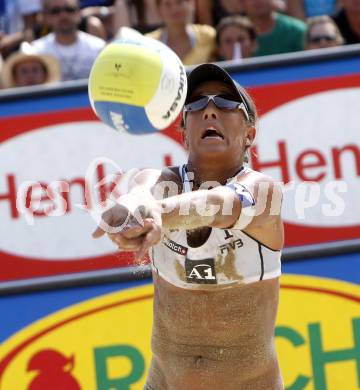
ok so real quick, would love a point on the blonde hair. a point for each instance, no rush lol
(322, 19)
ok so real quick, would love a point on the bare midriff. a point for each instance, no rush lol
(219, 339)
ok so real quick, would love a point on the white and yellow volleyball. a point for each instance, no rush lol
(137, 84)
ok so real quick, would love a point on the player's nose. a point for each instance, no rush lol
(210, 111)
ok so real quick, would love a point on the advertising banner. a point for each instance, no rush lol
(45, 198)
(58, 161)
(309, 140)
(98, 338)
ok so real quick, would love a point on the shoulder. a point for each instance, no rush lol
(170, 177)
(204, 32)
(167, 173)
(264, 188)
(168, 182)
(251, 176)
(159, 180)
(156, 34)
(91, 40)
(290, 22)
(43, 42)
(263, 219)
(171, 173)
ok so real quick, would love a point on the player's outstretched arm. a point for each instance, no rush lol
(252, 201)
(219, 207)
(185, 211)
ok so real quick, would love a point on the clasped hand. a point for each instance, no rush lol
(138, 229)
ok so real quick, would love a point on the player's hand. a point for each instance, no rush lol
(131, 233)
(112, 221)
(142, 237)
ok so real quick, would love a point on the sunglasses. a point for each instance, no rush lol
(57, 10)
(223, 103)
(321, 38)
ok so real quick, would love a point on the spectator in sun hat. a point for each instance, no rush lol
(25, 68)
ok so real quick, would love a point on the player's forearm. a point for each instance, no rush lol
(217, 207)
(200, 208)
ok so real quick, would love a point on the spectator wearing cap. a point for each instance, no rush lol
(303, 9)
(25, 68)
(16, 15)
(193, 43)
(276, 33)
(322, 32)
(17, 18)
(348, 21)
(74, 49)
(235, 38)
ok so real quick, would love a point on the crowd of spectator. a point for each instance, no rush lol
(43, 41)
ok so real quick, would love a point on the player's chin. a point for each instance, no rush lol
(220, 148)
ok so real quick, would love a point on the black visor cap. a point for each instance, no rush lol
(209, 72)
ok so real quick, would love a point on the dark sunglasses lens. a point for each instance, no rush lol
(58, 10)
(197, 105)
(326, 38)
(225, 104)
(70, 9)
(54, 11)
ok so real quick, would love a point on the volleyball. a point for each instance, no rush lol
(137, 84)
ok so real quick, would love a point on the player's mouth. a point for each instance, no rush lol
(212, 133)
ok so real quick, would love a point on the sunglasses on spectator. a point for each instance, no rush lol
(321, 38)
(57, 10)
(222, 102)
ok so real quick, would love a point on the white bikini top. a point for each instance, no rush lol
(228, 256)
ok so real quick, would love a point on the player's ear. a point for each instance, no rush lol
(183, 132)
(184, 138)
(251, 133)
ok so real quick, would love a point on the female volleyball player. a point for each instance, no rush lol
(215, 246)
